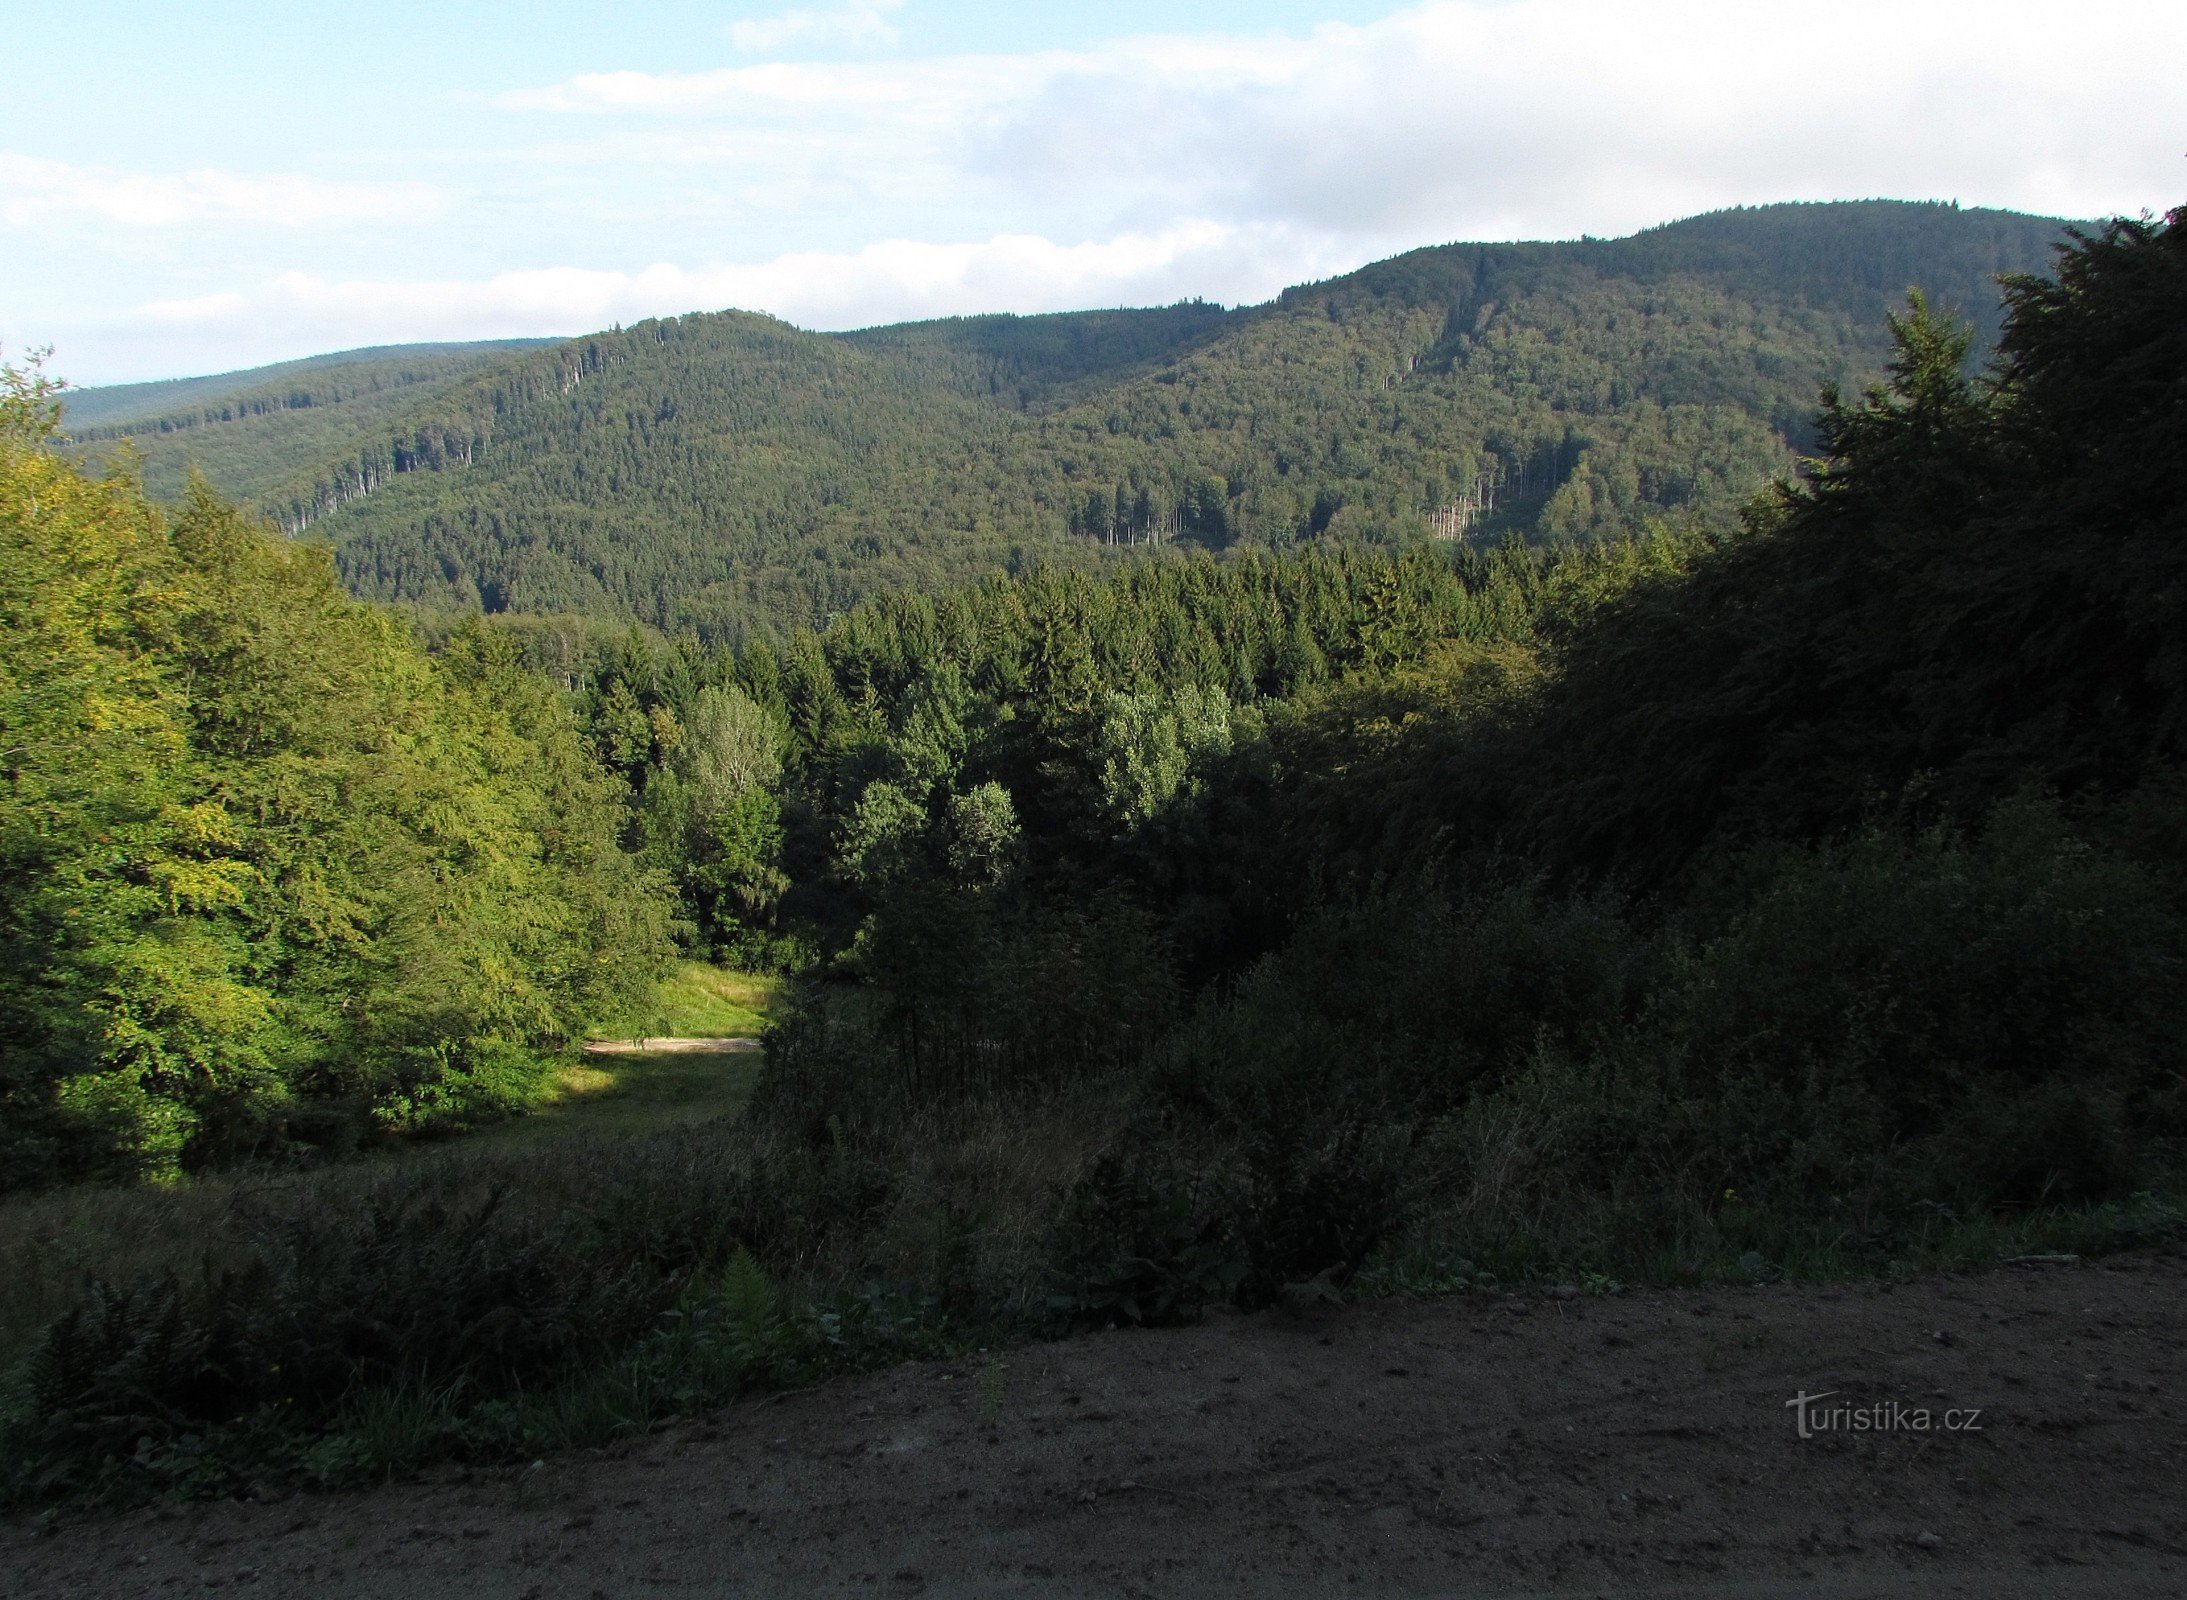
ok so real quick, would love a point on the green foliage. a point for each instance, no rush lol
(478, 1300)
(411, 1293)
(711, 815)
(265, 860)
(1142, 1241)
(1150, 744)
(1905, 986)
(737, 476)
(248, 431)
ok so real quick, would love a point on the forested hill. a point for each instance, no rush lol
(209, 421)
(732, 473)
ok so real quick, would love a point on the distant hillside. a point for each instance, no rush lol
(730, 472)
(241, 427)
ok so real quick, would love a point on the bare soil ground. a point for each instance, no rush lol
(1479, 1445)
(670, 1046)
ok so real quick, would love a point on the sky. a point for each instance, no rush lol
(189, 189)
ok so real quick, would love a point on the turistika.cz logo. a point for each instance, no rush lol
(1811, 1417)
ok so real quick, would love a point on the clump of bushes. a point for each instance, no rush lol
(326, 1326)
(1834, 1055)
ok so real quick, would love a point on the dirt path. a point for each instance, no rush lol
(652, 1046)
(1474, 1446)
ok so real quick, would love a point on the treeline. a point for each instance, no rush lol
(271, 877)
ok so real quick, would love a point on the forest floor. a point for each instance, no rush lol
(1483, 1444)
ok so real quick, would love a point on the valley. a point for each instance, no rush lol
(1184, 891)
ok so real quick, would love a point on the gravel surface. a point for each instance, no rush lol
(1544, 1444)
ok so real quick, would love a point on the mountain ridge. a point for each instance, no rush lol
(732, 473)
(101, 410)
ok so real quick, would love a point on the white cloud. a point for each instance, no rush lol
(946, 89)
(1138, 170)
(198, 309)
(859, 24)
(1484, 118)
(301, 313)
(884, 281)
(32, 189)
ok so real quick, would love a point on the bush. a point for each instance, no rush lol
(1145, 1239)
(1902, 992)
(1318, 1203)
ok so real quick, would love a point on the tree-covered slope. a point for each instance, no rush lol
(271, 875)
(732, 473)
(251, 429)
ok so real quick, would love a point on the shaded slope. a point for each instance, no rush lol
(1977, 590)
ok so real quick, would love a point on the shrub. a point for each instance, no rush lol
(1145, 1239)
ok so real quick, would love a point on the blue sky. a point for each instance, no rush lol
(187, 189)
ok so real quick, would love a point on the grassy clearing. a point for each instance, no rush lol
(649, 1092)
(701, 1001)
(50, 1243)
(652, 1091)
(644, 1092)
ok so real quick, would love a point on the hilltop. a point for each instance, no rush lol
(729, 472)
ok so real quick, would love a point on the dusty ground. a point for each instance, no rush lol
(670, 1047)
(1474, 1446)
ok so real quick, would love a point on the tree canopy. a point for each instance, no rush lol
(734, 475)
(270, 873)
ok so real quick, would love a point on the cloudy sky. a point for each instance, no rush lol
(195, 188)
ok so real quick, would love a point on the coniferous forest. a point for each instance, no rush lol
(1654, 759)
(734, 476)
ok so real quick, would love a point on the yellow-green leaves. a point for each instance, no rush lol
(257, 847)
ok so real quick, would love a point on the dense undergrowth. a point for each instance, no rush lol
(1809, 902)
(489, 1304)
(1531, 1089)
